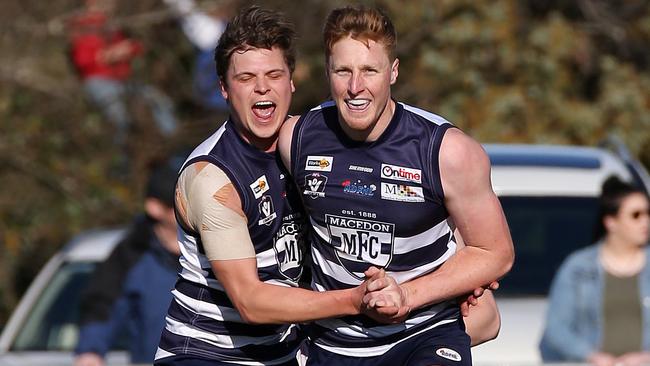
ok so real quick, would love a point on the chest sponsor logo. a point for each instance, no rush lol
(358, 188)
(260, 186)
(359, 168)
(401, 192)
(289, 246)
(267, 211)
(315, 185)
(319, 163)
(449, 354)
(401, 173)
(359, 243)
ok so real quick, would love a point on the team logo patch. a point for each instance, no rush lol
(315, 185)
(267, 211)
(401, 173)
(359, 168)
(449, 354)
(319, 163)
(359, 243)
(289, 247)
(358, 188)
(260, 186)
(401, 192)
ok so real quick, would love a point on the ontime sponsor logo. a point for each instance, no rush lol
(401, 173)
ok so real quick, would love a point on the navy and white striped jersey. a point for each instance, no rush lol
(201, 320)
(373, 203)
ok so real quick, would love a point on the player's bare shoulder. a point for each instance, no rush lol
(462, 161)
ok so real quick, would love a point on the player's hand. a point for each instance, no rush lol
(384, 300)
(633, 359)
(601, 359)
(88, 359)
(471, 299)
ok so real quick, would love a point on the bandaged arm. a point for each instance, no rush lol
(208, 203)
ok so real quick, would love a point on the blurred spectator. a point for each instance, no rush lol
(599, 308)
(132, 289)
(203, 30)
(102, 56)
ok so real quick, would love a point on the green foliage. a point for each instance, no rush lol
(503, 70)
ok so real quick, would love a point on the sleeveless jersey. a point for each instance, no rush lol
(380, 204)
(201, 320)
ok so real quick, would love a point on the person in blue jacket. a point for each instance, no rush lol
(131, 290)
(599, 302)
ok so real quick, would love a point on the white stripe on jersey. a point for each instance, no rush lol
(428, 115)
(266, 258)
(380, 331)
(222, 341)
(332, 269)
(329, 103)
(161, 353)
(206, 146)
(192, 262)
(421, 240)
(376, 350)
(339, 273)
(278, 282)
(404, 276)
(210, 310)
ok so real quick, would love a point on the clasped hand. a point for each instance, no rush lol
(383, 299)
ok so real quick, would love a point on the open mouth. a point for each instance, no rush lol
(263, 110)
(357, 105)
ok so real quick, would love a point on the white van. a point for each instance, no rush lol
(550, 197)
(43, 328)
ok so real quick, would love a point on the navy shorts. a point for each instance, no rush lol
(445, 345)
(189, 360)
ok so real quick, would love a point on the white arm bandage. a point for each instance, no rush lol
(208, 203)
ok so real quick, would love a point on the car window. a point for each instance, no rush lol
(544, 231)
(52, 324)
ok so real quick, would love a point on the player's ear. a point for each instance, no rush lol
(223, 88)
(394, 71)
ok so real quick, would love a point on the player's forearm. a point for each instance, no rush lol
(271, 304)
(469, 269)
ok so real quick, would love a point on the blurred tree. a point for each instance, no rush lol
(538, 71)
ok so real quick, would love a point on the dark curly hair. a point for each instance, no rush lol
(255, 27)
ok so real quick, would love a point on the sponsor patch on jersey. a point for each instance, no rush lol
(260, 186)
(401, 192)
(360, 243)
(319, 163)
(401, 173)
(449, 354)
(358, 188)
(267, 211)
(359, 168)
(289, 247)
(315, 185)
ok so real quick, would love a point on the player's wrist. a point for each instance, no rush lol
(353, 300)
